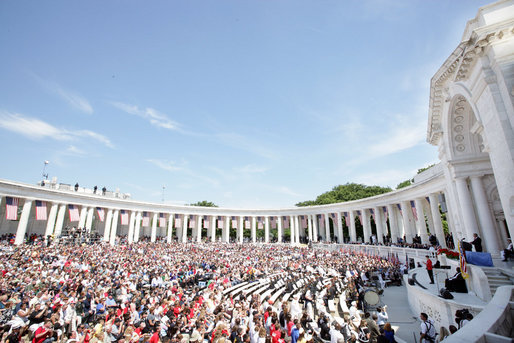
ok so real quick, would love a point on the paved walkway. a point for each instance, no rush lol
(404, 322)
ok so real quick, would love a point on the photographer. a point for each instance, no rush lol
(428, 332)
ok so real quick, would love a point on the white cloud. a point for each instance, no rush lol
(286, 190)
(71, 97)
(251, 169)
(34, 128)
(399, 138)
(155, 117)
(73, 150)
(166, 165)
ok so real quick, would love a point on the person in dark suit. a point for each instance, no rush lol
(477, 243)
(456, 283)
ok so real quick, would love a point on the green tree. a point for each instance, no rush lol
(204, 203)
(405, 183)
(346, 192)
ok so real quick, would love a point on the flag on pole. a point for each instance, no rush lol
(462, 261)
(234, 222)
(321, 221)
(260, 224)
(124, 217)
(101, 213)
(206, 222)
(273, 222)
(304, 221)
(220, 222)
(407, 260)
(399, 209)
(162, 220)
(74, 213)
(11, 208)
(384, 208)
(372, 214)
(146, 219)
(192, 222)
(414, 211)
(346, 219)
(40, 210)
(178, 220)
(334, 218)
(359, 214)
(285, 220)
(247, 222)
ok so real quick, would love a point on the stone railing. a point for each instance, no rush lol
(89, 191)
(381, 250)
(494, 324)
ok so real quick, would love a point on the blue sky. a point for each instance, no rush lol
(243, 103)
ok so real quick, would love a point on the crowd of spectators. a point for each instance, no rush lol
(160, 292)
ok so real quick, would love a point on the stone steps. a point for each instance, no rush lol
(496, 279)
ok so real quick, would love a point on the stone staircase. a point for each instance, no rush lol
(496, 278)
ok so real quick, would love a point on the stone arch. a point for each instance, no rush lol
(462, 141)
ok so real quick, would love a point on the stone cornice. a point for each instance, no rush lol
(458, 67)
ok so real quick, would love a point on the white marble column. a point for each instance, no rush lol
(240, 230)
(185, 224)
(22, 224)
(466, 205)
(406, 215)
(328, 237)
(366, 227)
(340, 235)
(107, 228)
(50, 224)
(137, 229)
(254, 229)
(420, 223)
(114, 227)
(309, 226)
(60, 220)
(153, 234)
(82, 220)
(436, 218)
(489, 236)
(132, 223)
(213, 229)
(292, 229)
(279, 228)
(379, 224)
(393, 223)
(169, 234)
(297, 229)
(353, 230)
(89, 219)
(226, 230)
(266, 229)
(199, 228)
(315, 233)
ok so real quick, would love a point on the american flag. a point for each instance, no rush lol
(101, 213)
(247, 222)
(372, 214)
(124, 217)
(178, 220)
(234, 222)
(40, 210)
(162, 220)
(192, 222)
(259, 221)
(220, 222)
(146, 219)
(273, 222)
(74, 213)
(286, 221)
(346, 219)
(321, 221)
(304, 221)
(359, 214)
(399, 209)
(11, 208)
(414, 211)
(462, 261)
(384, 208)
(334, 218)
(206, 222)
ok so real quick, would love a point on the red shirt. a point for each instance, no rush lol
(38, 331)
(429, 264)
(155, 338)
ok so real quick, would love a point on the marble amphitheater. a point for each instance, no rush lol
(470, 120)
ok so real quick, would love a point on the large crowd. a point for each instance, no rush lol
(160, 292)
